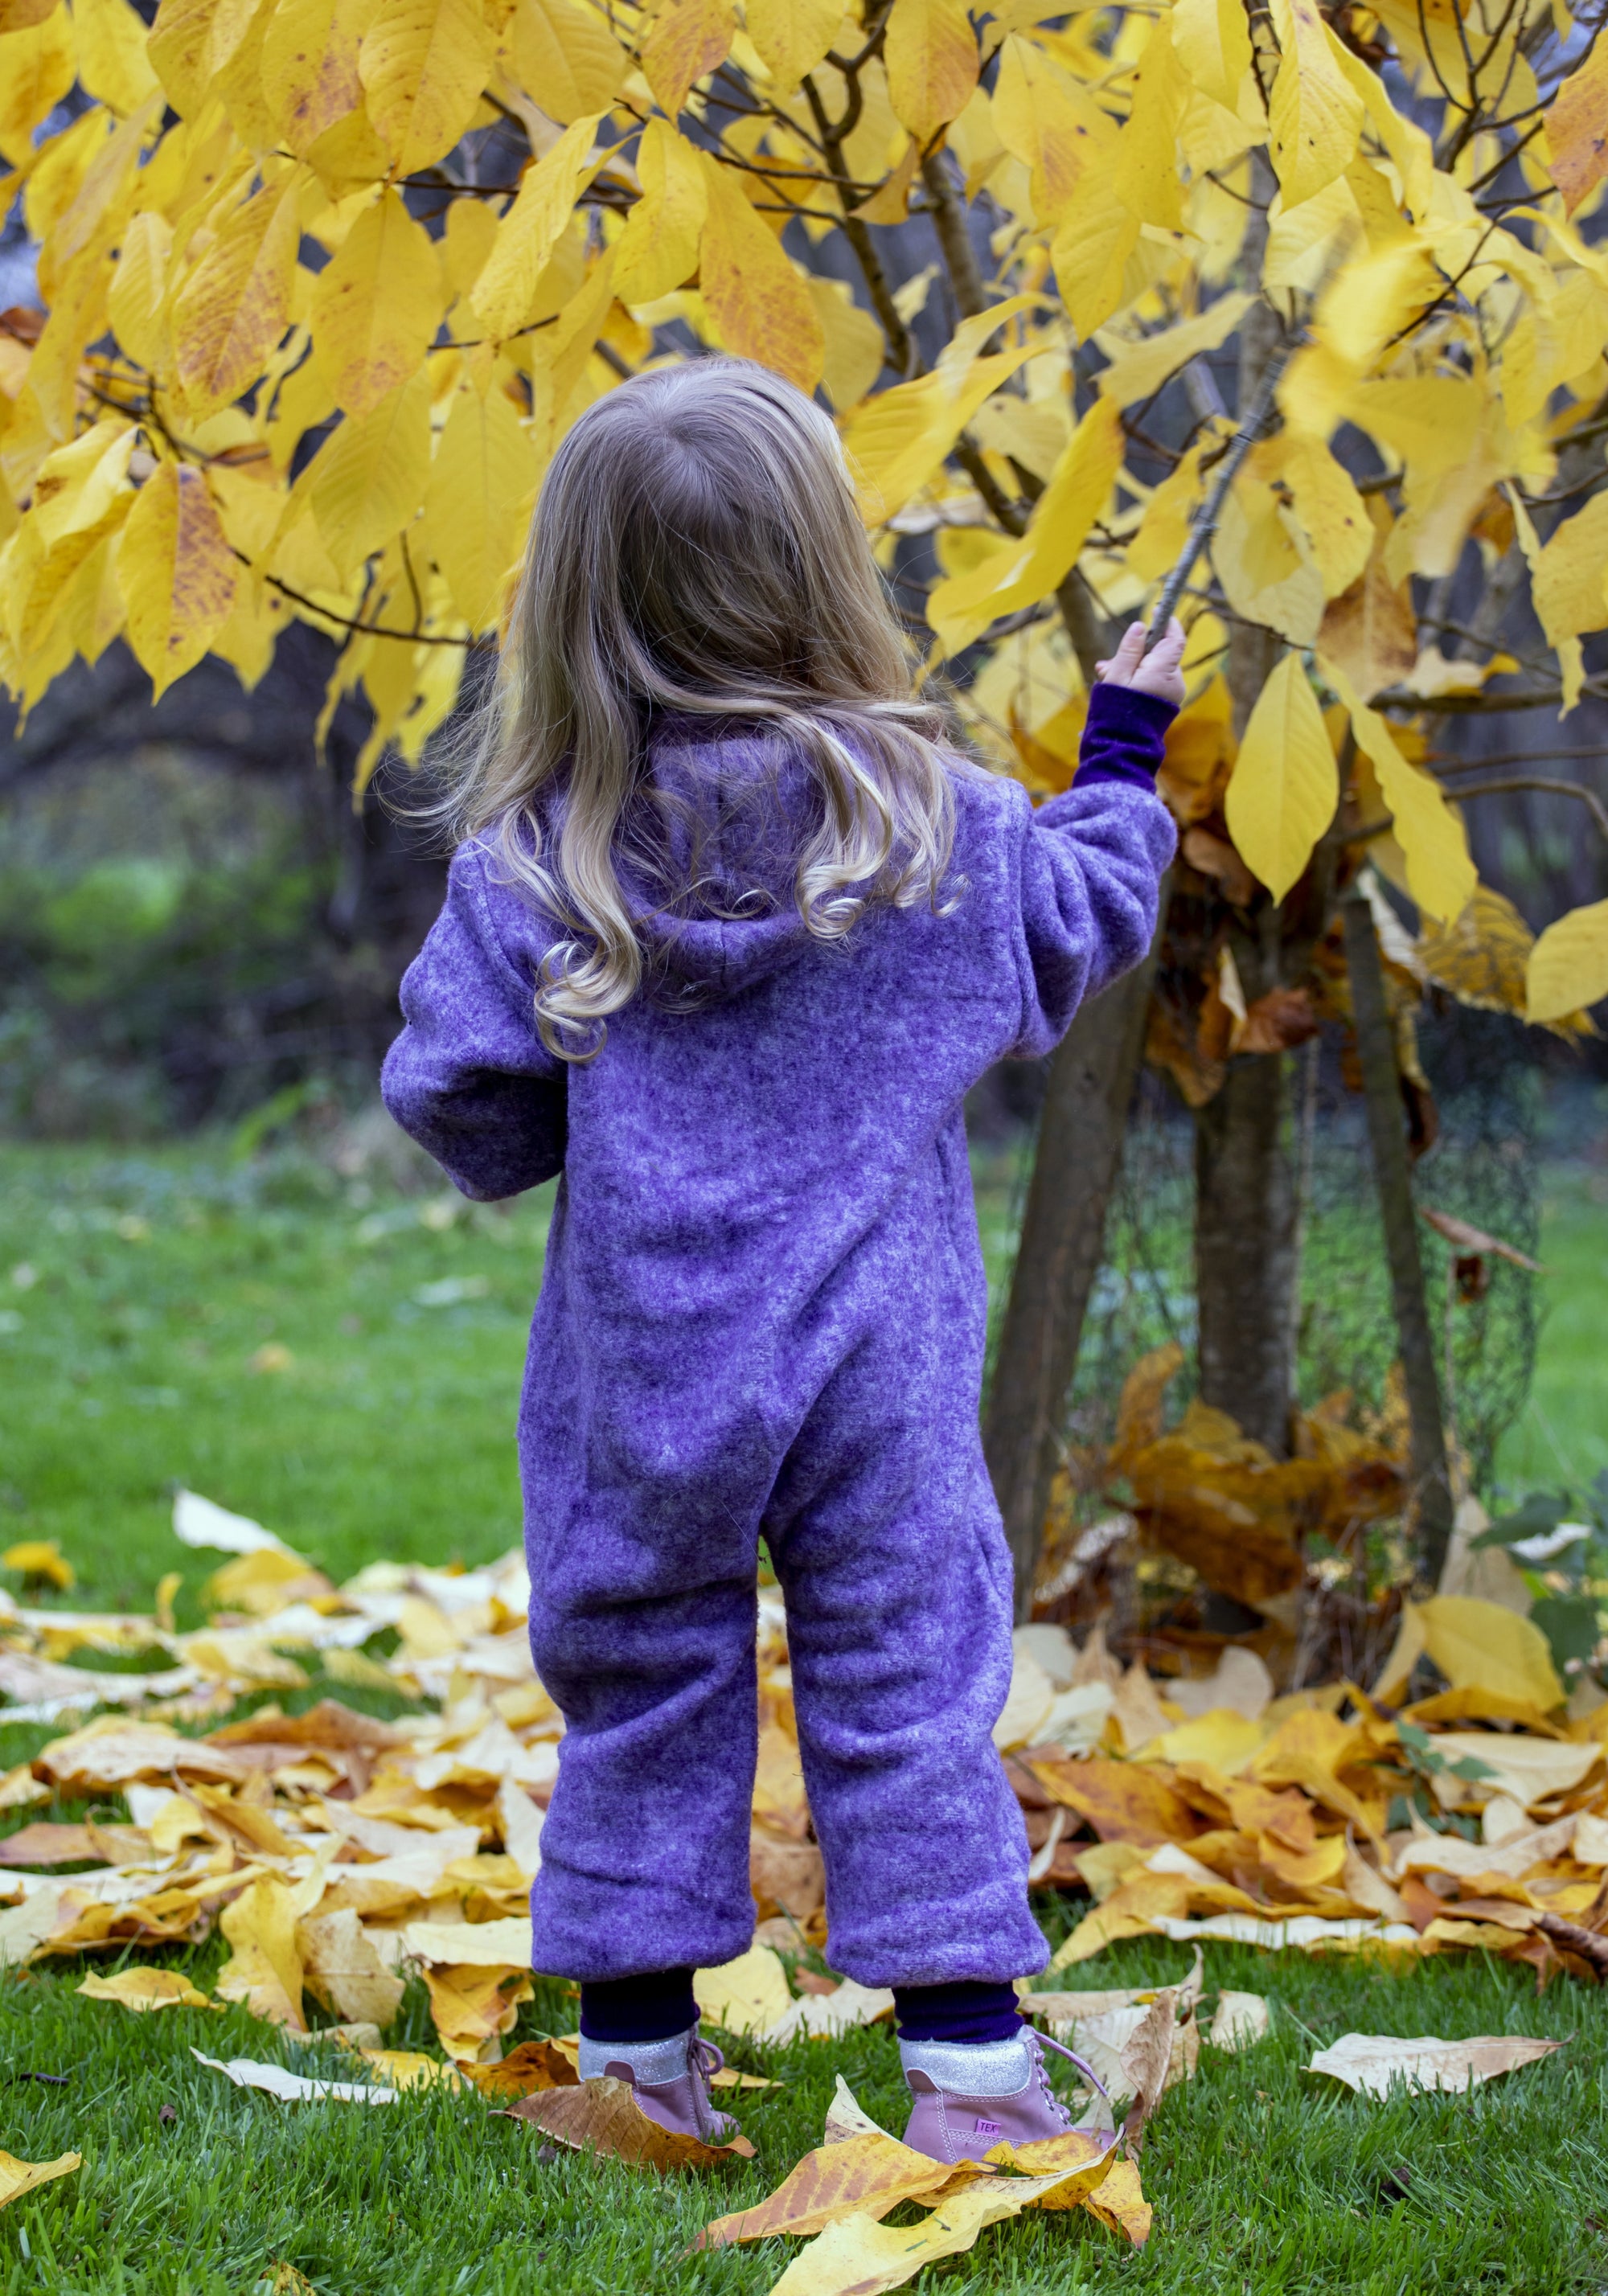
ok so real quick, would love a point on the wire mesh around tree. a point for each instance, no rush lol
(1481, 1169)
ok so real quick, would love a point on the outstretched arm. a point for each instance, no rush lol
(469, 1077)
(1092, 859)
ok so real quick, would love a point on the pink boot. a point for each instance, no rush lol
(970, 2096)
(670, 2080)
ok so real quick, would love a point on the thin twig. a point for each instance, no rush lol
(1547, 784)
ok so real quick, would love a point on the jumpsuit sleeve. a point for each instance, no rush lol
(469, 1077)
(1091, 868)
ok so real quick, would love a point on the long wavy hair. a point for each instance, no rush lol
(696, 552)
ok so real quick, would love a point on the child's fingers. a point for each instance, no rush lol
(1130, 652)
(1120, 668)
(1169, 649)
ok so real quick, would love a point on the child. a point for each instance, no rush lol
(730, 933)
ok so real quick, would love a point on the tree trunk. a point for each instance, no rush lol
(1382, 1085)
(1091, 1081)
(1062, 1241)
(1245, 1250)
(1245, 1179)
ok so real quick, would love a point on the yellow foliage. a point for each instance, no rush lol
(1568, 968)
(960, 608)
(175, 571)
(1577, 135)
(791, 36)
(754, 295)
(375, 305)
(1285, 787)
(932, 56)
(423, 64)
(687, 40)
(303, 354)
(659, 246)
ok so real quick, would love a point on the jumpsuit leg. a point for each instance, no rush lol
(890, 1549)
(651, 1657)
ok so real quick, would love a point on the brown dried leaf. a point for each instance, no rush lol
(1468, 1238)
(533, 2066)
(108, 1755)
(1370, 630)
(1140, 1405)
(603, 2116)
(1214, 857)
(1148, 2056)
(46, 1844)
(1276, 1022)
(786, 1877)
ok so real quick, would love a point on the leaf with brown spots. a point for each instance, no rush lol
(603, 2116)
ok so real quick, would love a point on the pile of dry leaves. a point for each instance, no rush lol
(338, 1854)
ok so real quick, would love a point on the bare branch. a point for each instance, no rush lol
(1550, 787)
(954, 239)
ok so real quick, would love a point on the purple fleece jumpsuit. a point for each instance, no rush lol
(762, 1314)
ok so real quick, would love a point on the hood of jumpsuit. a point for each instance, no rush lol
(709, 858)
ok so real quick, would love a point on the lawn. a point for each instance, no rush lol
(344, 1366)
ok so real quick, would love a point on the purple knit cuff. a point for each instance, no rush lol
(1123, 737)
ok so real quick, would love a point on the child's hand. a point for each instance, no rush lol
(1157, 672)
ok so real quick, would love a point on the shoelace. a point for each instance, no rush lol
(704, 2058)
(1038, 2043)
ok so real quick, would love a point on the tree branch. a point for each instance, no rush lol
(954, 239)
(901, 343)
(1546, 783)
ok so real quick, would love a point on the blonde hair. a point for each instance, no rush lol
(696, 550)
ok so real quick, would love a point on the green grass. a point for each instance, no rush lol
(1263, 2177)
(124, 1369)
(126, 1364)
(1562, 1435)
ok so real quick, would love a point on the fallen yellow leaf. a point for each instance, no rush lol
(20, 2177)
(746, 1995)
(1242, 2020)
(265, 1969)
(865, 2175)
(857, 2256)
(147, 1989)
(1120, 2205)
(1481, 1645)
(343, 1970)
(471, 2007)
(41, 1558)
(412, 2069)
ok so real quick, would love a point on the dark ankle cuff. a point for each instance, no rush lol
(647, 2008)
(966, 2011)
